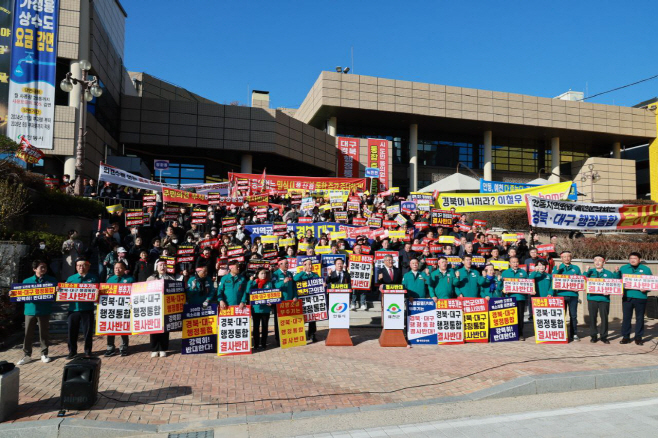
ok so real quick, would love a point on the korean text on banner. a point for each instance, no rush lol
(378, 157)
(183, 197)
(524, 286)
(503, 187)
(503, 320)
(641, 282)
(474, 202)
(32, 74)
(113, 311)
(605, 286)
(234, 331)
(360, 268)
(199, 329)
(569, 282)
(348, 157)
(147, 314)
(174, 300)
(27, 153)
(550, 213)
(280, 182)
(30, 293)
(449, 322)
(421, 328)
(265, 296)
(291, 324)
(476, 319)
(550, 326)
(83, 292)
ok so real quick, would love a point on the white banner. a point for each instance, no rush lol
(641, 282)
(605, 286)
(118, 176)
(566, 215)
(339, 310)
(393, 311)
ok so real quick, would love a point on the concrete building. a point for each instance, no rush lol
(431, 129)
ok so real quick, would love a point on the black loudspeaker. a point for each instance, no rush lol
(80, 383)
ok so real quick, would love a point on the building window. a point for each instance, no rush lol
(182, 174)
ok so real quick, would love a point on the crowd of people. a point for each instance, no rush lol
(454, 258)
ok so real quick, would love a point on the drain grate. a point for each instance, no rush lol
(201, 434)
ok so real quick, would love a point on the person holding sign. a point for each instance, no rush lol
(118, 277)
(307, 274)
(231, 290)
(260, 313)
(488, 283)
(633, 299)
(467, 283)
(543, 280)
(442, 281)
(200, 289)
(283, 280)
(38, 311)
(599, 304)
(81, 313)
(415, 282)
(515, 272)
(160, 341)
(570, 296)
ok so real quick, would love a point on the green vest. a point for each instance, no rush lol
(81, 306)
(195, 294)
(231, 290)
(543, 283)
(39, 308)
(509, 273)
(442, 284)
(467, 283)
(567, 270)
(288, 290)
(416, 285)
(593, 273)
(640, 270)
(259, 308)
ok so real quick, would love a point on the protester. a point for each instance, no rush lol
(72, 248)
(515, 272)
(160, 341)
(81, 314)
(38, 311)
(260, 313)
(599, 304)
(119, 276)
(633, 300)
(570, 296)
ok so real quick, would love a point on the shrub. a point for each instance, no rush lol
(611, 246)
(53, 241)
(58, 203)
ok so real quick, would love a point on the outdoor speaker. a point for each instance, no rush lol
(80, 384)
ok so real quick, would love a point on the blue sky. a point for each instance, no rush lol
(223, 49)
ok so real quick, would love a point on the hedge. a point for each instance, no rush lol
(53, 241)
(61, 204)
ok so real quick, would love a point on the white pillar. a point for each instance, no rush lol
(332, 123)
(488, 176)
(245, 165)
(413, 157)
(616, 150)
(69, 167)
(555, 160)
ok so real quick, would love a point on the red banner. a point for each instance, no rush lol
(348, 157)
(279, 182)
(378, 157)
(183, 197)
(33, 155)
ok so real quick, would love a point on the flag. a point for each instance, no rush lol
(263, 181)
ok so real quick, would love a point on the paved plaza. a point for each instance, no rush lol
(178, 388)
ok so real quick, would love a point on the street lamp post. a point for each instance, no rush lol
(593, 176)
(89, 90)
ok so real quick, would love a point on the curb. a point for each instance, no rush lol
(521, 386)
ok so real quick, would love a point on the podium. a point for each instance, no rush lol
(339, 316)
(393, 316)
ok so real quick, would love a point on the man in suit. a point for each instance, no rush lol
(389, 274)
(340, 276)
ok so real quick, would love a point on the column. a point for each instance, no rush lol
(245, 165)
(69, 167)
(616, 149)
(332, 123)
(413, 157)
(555, 160)
(488, 176)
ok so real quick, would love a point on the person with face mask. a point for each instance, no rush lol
(38, 311)
(120, 276)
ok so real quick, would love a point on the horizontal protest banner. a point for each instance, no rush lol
(641, 282)
(504, 187)
(183, 197)
(280, 182)
(27, 293)
(524, 286)
(605, 286)
(265, 296)
(69, 292)
(474, 202)
(548, 213)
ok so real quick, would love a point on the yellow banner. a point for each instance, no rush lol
(473, 202)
